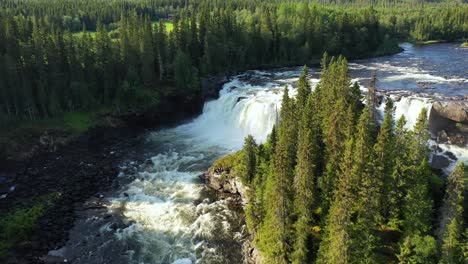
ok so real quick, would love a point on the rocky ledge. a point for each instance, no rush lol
(449, 122)
(222, 181)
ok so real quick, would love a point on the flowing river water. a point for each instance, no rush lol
(163, 214)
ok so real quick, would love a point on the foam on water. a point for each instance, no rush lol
(168, 217)
(460, 153)
(241, 109)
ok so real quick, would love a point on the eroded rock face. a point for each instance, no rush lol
(454, 110)
(224, 183)
(448, 122)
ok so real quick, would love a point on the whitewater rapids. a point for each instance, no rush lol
(163, 213)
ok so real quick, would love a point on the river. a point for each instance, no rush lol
(163, 214)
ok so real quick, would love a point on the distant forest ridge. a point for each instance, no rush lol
(65, 56)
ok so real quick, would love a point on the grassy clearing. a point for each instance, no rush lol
(17, 224)
(168, 24)
(78, 122)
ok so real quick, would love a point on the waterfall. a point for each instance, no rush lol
(408, 106)
(168, 217)
(240, 110)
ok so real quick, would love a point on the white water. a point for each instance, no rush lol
(408, 106)
(169, 226)
(169, 219)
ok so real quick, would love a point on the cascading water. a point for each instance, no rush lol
(163, 214)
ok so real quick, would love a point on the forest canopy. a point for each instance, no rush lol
(334, 185)
(64, 56)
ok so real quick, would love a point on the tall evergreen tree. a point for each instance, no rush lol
(451, 226)
(274, 236)
(384, 158)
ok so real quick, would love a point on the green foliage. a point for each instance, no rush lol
(418, 249)
(327, 187)
(19, 222)
(78, 122)
(186, 76)
(225, 164)
(452, 222)
(246, 165)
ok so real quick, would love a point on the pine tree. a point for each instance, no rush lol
(247, 161)
(305, 181)
(452, 222)
(146, 54)
(364, 237)
(337, 114)
(303, 90)
(417, 249)
(384, 157)
(417, 203)
(336, 244)
(274, 235)
(399, 176)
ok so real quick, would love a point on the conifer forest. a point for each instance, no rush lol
(234, 131)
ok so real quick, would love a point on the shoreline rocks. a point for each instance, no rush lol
(86, 166)
(225, 183)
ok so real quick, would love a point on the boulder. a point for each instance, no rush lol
(442, 136)
(440, 162)
(453, 110)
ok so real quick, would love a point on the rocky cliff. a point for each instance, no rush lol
(223, 180)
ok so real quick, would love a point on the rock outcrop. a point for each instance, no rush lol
(223, 181)
(454, 110)
(448, 122)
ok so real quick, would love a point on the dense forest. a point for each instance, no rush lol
(334, 185)
(66, 56)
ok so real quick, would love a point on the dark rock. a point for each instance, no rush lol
(241, 98)
(440, 162)
(442, 136)
(212, 85)
(457, 139)
(451, 155)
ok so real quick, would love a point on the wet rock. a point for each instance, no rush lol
(212, 85)
(229, 187)
(450, 155)
(453, 110)
(440, 162)
(442, 136)
(241, 98)
(71, 178)
(457, 139)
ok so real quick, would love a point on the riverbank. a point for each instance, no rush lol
(54, 166)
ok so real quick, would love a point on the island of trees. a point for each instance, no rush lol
(333, 185)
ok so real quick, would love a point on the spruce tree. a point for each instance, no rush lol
(303, 90)
(305, 181)
(364, 239)
(336, 243)
(273, 237)
(452, 222)
(384, 157)
(247, 162)
(399, 176)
